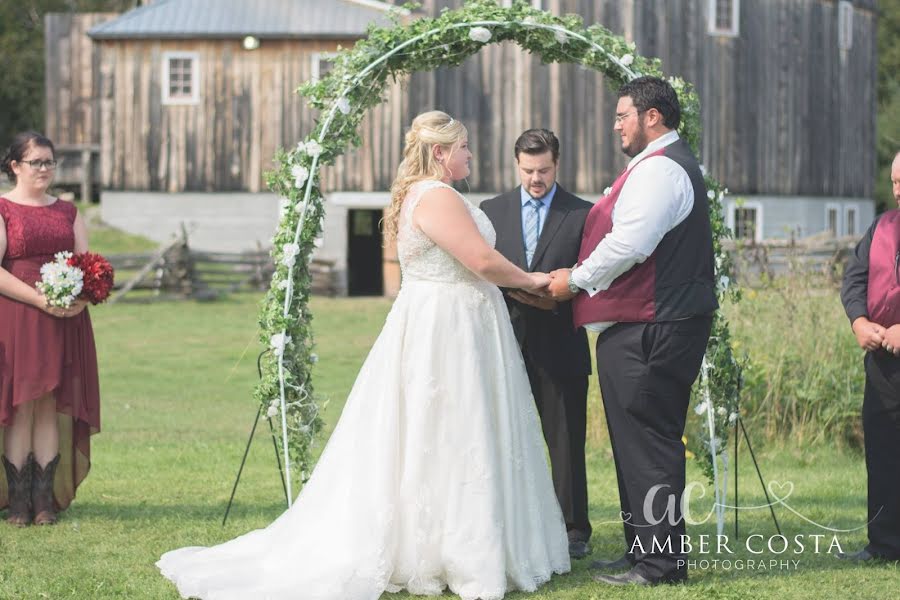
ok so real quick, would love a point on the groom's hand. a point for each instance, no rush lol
(532, 300)
(559, 285)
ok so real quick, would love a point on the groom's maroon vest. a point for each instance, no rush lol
(676, 281)
(884, 271)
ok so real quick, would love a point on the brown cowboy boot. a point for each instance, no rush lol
(42, 492)
(18, 482)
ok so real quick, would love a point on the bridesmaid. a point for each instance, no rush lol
(49, 391)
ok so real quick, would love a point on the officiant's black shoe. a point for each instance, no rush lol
(620, 564)
(632, 577)
(578, 549)
(863, 556)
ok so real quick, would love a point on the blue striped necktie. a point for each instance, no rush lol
(532, 229)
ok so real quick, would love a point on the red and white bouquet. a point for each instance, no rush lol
(70, 277)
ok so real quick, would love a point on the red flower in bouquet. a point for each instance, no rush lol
(98, 276)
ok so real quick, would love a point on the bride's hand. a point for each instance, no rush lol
(538, 283)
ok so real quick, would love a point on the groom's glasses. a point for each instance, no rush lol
(620, 118)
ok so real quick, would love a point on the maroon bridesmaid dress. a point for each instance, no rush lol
(40, 353)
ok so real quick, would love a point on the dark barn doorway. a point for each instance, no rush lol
(364, 253)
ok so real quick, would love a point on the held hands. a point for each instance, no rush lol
(559, 285)
(891, 339)
(534, 294)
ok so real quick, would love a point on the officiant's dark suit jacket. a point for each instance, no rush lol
(549, 336)
(556, 354)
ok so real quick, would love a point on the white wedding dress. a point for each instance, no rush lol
(435, 475)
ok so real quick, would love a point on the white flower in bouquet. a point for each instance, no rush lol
(300, 207)
(60, 282)
(278, 342)
(300, 175)
(313, 358)
(721, 411)
(480, 34)
(732, 418)
(289, 254)
(701, 408)
(343, 105)
(561, 37)
(626, 60)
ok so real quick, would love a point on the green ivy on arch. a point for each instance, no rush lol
(357, 83)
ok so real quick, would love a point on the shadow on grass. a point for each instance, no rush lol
(144, 511)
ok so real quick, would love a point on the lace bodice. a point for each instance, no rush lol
(423, 260)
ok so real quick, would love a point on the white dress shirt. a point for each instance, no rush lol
(656, 197)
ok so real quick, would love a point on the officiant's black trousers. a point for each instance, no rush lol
(646, 371)
(881, 426)
(561, 401)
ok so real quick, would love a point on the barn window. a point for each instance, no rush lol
(745, 220)
(180, 78)
(322, 63)
(538, 4)
(723, 17)
(851, 216)
(845, 25)
(833, 219)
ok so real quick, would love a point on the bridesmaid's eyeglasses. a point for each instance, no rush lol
(40, 165)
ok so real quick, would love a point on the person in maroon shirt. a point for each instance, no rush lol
(871, 298)
(49, 392)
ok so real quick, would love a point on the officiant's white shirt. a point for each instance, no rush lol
(656, 197)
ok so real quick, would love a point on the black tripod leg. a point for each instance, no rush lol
(737, 441)
(759, 473)
(278, 458)
(243, 461)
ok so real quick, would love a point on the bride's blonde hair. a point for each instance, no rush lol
(427, 129)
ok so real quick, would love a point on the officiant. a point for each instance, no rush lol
(539, 226)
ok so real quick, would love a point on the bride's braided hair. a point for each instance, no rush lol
(428, 129)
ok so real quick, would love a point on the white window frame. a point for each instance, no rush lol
(757, 226)
(194, 98)
(538, 4)
(838, 219)
(845, 24)
(714, 29)
(854, 209)
(316, 59)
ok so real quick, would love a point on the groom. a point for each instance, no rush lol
(644, 282)
(539, 227)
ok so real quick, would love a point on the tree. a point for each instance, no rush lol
(22, 44)
(888, 115)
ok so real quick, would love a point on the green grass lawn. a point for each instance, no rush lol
(176, 381)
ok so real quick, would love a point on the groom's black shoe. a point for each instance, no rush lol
(863, 556)
(578, 549)
(620, 564)
(632, 577)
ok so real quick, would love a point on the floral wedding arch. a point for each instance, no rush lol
(356, 84)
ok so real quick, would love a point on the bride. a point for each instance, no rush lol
(435, 475)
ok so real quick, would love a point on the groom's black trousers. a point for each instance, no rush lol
(881, 425)
(646, 371)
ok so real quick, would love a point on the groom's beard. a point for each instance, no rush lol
(638, 143)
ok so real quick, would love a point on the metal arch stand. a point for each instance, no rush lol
(250, 441)
(738, 429)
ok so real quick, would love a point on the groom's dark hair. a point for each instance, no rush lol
(652, 92)
(538, 141)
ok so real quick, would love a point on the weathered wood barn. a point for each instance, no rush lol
(194, 96)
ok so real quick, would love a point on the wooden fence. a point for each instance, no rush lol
(177, 272)
(821, 257)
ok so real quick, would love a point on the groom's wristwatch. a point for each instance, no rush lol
(571, 285)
